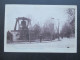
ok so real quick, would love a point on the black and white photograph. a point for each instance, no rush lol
(40, 28)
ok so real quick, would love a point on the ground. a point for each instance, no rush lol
(44, 46)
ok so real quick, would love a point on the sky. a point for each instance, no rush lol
(38, 14)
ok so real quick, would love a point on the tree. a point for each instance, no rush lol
(66, 30)
(48, 30)
(71, 18)
(36, 30)
(69, 27)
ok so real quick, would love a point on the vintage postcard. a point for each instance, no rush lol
(40, 28)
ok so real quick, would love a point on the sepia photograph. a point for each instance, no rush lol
(40, 28)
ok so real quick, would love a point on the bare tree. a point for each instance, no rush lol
(37, 30)
(71, 18)
(48, 30)
(66, 30)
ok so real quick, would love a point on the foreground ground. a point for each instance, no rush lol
(65, 43)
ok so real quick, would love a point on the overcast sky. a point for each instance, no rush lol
(38, 14)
